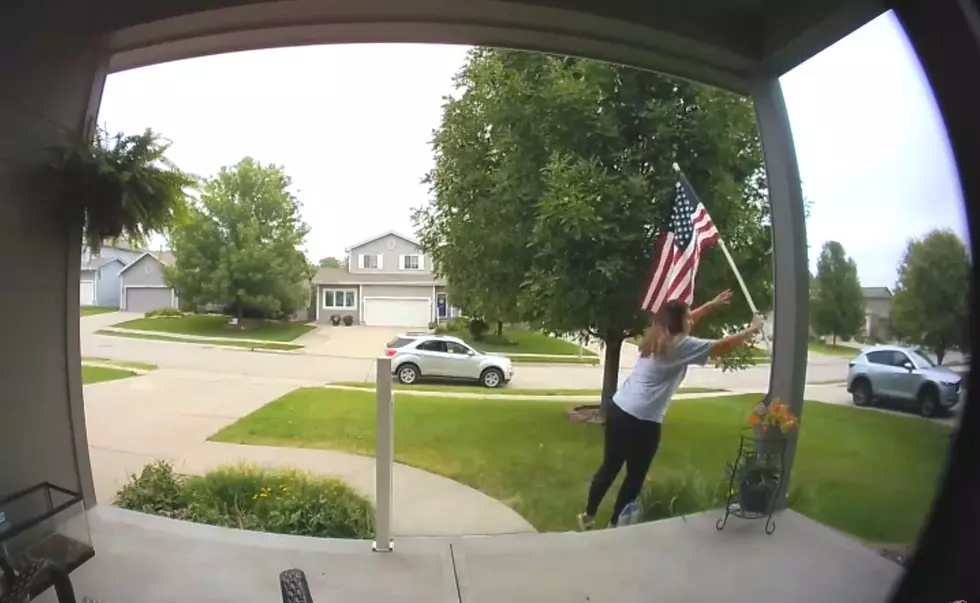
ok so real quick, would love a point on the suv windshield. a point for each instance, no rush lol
(921, 358)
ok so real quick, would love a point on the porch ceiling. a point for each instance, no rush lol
(724, 42)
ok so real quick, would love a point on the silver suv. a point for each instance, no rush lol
(904, 375)
(414, 356)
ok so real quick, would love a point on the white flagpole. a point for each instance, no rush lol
(738, 277)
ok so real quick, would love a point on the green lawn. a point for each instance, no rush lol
(96, 374)
(516, 340)
(828, 349)
(237, 344)
(509, 391)
(93, 310)
(217, 326)
(867, 473)
(588, 360)
(125, 363)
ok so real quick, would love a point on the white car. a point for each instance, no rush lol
(417, 356)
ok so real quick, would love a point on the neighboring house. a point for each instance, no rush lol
(388, 282)
(98, 280)
(877, 310)
(141, 284)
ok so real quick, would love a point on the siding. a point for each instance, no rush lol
(322, 316)
(107, 290)
(389, 263)
(146, 272)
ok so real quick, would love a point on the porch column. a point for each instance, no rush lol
(787, 376)
(50, 86)
(946, 37)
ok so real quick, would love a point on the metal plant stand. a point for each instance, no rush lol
(758, 457)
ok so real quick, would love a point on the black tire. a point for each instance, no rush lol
(861, 393)
(929, 402)
(408, 374)
(294, 587)
(492, 378)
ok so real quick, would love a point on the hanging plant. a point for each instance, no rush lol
(122, 186)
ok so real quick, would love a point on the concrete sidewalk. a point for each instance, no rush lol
(169, 415)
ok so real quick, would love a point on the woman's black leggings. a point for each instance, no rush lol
(627, 440)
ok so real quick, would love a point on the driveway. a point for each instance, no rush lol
(348, 342)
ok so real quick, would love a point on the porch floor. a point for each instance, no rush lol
(147, 559)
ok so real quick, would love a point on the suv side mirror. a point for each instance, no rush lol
(908, 366)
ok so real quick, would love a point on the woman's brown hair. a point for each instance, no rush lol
(661, 334)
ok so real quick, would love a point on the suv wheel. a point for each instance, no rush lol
(861, 394)
(928, 402)
(408, 374)
(492, 378)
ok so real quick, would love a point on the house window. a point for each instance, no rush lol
(411, 262)
(340, 299)
(370, 262)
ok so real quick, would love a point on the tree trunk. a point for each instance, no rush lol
(613, 343)
(940, 354)
(500, 328)
(834, 339)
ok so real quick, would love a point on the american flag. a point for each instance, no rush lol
(689, 231)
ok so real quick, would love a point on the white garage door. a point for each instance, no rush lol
(140, 299)
(86, 293)
(397, 312)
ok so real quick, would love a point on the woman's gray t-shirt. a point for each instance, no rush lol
(646, 393)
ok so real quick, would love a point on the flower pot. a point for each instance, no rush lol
(772, 442)
(754, 499)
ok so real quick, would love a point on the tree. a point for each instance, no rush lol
(931, 304)
(837, 302)
(330, 262)
(240, 245)
(552, 175)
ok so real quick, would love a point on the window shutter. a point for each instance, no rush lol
(360, 261)
(401, 262)
(381, 261)
(421, 261)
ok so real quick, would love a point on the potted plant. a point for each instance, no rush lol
(758, 481)
(760, 471)
(335, 320)
(120, 187)
(348, 320)
(770, 423)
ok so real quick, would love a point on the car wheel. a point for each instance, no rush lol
(492, 378)
(408, 374)
(928, 402)
(861, 394)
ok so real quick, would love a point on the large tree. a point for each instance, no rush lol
(331, 262)
(240, 246)
(552, 175)
(837, 302)
(931, 304)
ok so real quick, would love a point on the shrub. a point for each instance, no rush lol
(433, 325)
(335, 320)
(348, 320)
(457, 324)
(164, 313)
(249, 498)
(681, 494)
(478, 328)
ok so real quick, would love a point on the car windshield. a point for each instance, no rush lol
(922, 359)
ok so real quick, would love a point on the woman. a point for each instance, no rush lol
(633, 419)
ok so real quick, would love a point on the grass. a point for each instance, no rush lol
(509, 391)
(98, 374)
(93, 310)
(217, 326)
(251, 345)
(587, 360)
(829, 349)
(516, 340)
(867, 473)
(124, 363)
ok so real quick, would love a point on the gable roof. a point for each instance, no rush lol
(390, 233)
(164, 257)
(339, 276)
(97, 263)
(876, 292)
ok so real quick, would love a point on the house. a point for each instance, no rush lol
(98, 281)
(141, 284)
(877, 310)
(388, 282)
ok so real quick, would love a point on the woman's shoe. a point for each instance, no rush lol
(585, 522)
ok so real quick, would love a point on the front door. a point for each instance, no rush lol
(442, 307)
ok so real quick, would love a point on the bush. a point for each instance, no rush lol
(478, 328)
(348, 320)
(457, 324)
(433, 326)
(681, 494)
(248, 498)
(335, 320)
(164, 313)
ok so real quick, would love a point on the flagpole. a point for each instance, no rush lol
(738, 275)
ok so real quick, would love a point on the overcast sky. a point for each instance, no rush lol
(352, 126)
